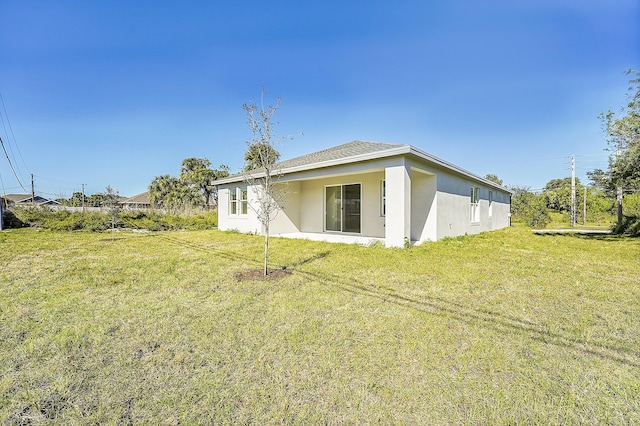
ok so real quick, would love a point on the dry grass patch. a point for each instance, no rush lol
(257, 274)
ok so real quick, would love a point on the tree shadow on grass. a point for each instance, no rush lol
(256, 273)
(233, 256)
(493, 320)
(584, 236)
(442, 307)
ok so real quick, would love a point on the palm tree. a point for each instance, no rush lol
(260, 153)
(160, 187)
(196, 172)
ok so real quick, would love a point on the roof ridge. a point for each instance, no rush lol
(342, 151)
(345, 150)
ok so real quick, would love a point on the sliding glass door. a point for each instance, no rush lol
(351, 208)
(333, 214)
(342, 208)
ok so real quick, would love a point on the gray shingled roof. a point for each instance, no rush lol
(26, 198)
(356, 151)
(350, 149)
(344, 151)
(16, 198)
(142, 198)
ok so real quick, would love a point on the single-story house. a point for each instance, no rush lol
(12, 200)
(368, 191)
(140, 201)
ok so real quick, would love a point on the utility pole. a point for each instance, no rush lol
(573, 191)
(33, 191)
(83, 198)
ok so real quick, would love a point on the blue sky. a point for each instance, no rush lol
(116, 93)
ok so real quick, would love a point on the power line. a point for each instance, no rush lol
(15, 141)
(54, 180)
(11, 165)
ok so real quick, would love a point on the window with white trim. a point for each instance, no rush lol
(233, 201)
(238, 201)
(244, 202)
(490, 203)
(474, 212)
(383, 198)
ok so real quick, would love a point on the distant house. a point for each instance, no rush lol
(13, 200)
(140, 201)
(367, 191)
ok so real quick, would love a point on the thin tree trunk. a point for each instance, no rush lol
(266, 249)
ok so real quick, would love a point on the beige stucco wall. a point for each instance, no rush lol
(423, 206)
(312, 207)
(454, 207)
(438, 200)
(244, 223)
(287, 220)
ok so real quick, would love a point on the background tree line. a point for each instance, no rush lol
(612, 195)
(78, 199)
(193, 189)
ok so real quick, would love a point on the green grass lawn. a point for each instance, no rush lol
(499, 328)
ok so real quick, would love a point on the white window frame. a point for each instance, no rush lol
(474, 211)
(238, 201)
(233, 201)
(342, 219)
(243, 199)
(383, 198)
(490, 203)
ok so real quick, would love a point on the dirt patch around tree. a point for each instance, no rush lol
(258, 274)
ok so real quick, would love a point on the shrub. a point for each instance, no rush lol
(10, 220)
(630, 226)
(530, 209)
(32, 216)
(631, 205)
(63, 220)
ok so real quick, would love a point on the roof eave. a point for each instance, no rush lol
(403, 149)
(442, 163)
(400, 150)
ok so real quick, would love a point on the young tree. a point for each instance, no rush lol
(529, 208)
(112, 203)
(261, 172)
